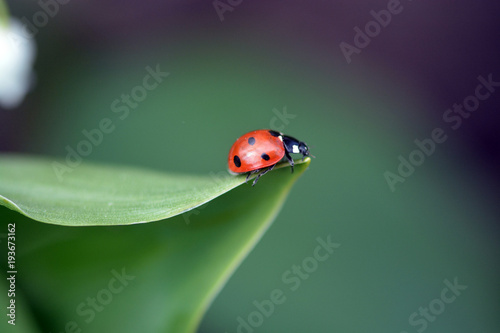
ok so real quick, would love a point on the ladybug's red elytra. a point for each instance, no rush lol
(259, 151)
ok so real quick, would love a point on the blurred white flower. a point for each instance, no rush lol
(17, 54)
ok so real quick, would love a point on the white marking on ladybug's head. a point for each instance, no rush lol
(281, 138)
(295, 149)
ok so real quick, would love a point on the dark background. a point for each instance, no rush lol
(227, 77)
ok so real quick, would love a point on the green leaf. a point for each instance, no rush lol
(102, 195)
(176, 266)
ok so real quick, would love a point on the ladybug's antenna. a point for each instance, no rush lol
(311, 146)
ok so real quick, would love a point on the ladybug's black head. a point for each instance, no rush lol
(295, 146)
(303, 149)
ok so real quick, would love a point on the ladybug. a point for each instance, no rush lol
(259, 151)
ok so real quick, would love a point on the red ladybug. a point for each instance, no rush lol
(259, 151)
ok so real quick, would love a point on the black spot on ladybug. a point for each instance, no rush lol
(237, 161)
(274, 133)
(265, 157)
(251, 141)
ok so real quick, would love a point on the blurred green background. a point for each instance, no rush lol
(268, 59)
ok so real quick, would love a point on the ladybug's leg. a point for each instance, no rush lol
(262, 174)
(289, 159)
(252, 173)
